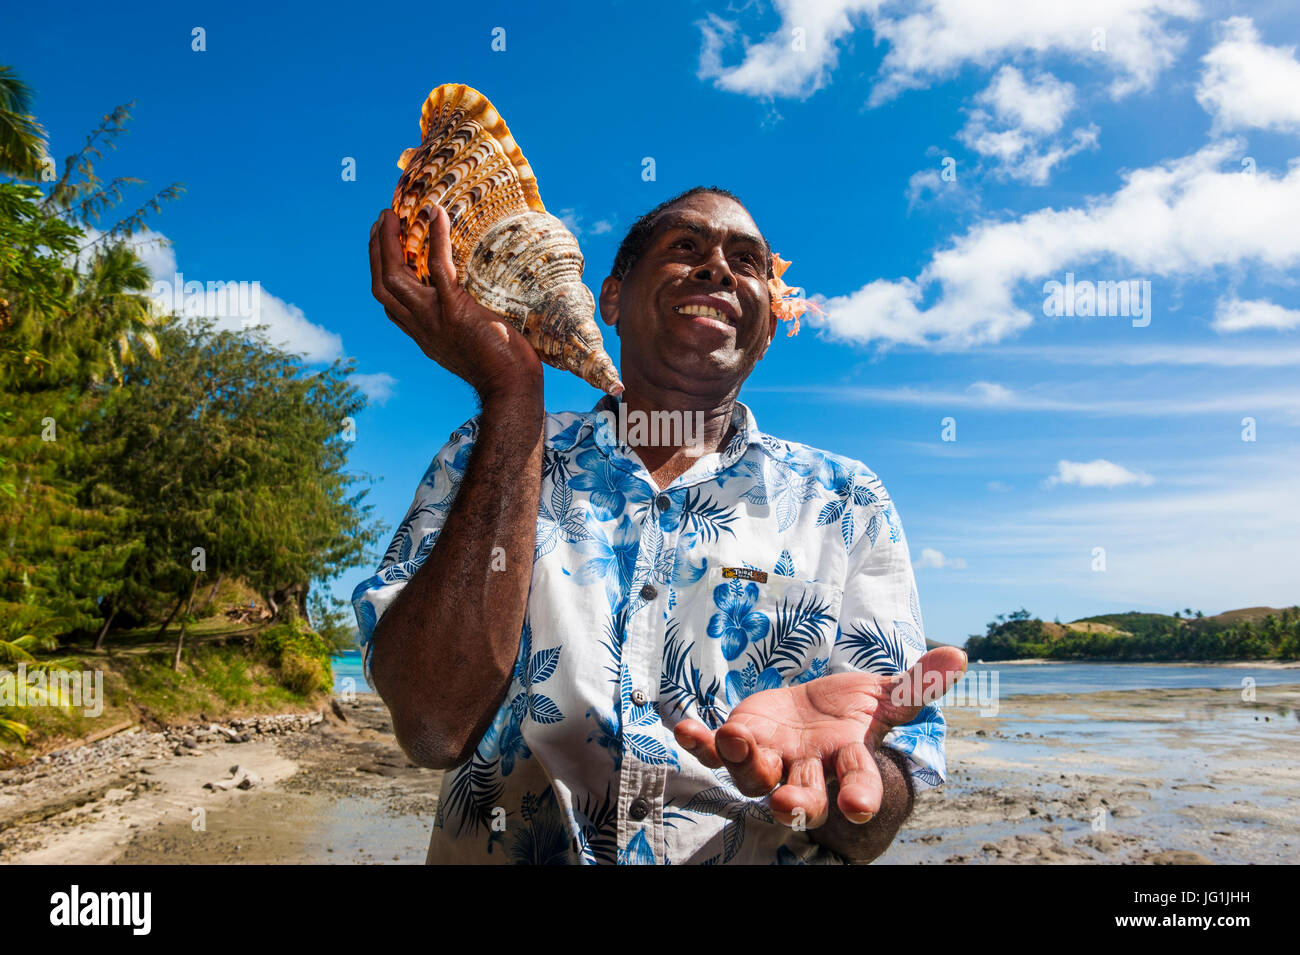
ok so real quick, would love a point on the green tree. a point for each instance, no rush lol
(22, 140)
(230, 445)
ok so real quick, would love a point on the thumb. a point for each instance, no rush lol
(930, 677)
(442, 270)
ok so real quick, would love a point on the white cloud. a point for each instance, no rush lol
(1248, 84)
(231, 303)
(1016, 121)
(935, 38)
(378, 387)
(785, 63)
(921, 182)
(1098, 473)
(934, 559)
(991, 393)
(1236, 315)
(1184, 217)
(573, 221)
(1038, 105)
(939, 37)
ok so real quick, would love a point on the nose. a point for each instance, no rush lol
(715, 269)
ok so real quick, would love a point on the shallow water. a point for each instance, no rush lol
(1099, 677)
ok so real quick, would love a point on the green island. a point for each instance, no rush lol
(1250, 633)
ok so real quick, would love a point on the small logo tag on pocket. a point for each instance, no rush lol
(744, 573)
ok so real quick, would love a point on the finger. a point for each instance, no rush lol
(930, 678)
(397, 277)
(802, 801)
(442, 269)
(861, 788)
(697, 739)
(377, 289)
(755, 770)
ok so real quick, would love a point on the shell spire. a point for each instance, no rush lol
(511, 255)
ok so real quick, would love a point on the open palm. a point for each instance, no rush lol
(792, 736)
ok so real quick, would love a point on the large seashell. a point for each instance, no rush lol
(511, 255)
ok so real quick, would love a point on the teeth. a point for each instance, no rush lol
(704, 311)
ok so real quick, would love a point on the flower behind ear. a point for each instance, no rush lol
(787, 303)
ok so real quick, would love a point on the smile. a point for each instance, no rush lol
(704, 311)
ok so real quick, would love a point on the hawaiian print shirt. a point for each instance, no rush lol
(766, 565)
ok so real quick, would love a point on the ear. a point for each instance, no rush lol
(609, 290)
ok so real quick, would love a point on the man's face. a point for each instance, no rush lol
(694, 312)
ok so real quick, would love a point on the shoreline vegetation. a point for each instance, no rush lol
(174, 492)
(1250, 634)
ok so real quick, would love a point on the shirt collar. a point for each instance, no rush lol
(594, 424)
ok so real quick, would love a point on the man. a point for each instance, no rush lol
(662, 653)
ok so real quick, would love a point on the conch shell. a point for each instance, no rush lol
(510, 254)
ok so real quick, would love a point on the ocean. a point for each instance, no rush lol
(1033, 678)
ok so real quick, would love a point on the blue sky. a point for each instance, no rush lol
(927, 167)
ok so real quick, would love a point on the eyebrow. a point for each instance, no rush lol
(694, 226)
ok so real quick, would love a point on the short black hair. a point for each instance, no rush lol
(634, 243)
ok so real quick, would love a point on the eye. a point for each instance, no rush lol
(684, 243)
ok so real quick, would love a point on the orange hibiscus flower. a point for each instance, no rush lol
(787, 303)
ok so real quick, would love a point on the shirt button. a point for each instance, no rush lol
(664, 502)
(638, 810)
(639, 698)
(648, 592)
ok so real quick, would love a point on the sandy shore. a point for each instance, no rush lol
(329, 788)
(1154, 776)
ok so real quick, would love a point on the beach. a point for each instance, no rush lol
(1159, 776)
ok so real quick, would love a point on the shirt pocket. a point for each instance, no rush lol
(759, 633)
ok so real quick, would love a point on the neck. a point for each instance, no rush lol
(665, 427)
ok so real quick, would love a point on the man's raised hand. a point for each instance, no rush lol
(457, 332)
(792, 736)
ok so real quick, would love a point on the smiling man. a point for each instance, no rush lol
(688, 652)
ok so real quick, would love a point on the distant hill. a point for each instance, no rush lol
(1249, 633)
(1230, 617)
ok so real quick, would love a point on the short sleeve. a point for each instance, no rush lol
(415, 537)
(881, 631)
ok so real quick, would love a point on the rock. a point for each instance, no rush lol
(240, 778)
(1104, 841)
(338, 710)
(1125, 812)
(189, 741)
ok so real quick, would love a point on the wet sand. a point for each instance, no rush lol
(1139, 776)
(1153, 776)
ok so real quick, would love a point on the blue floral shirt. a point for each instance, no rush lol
(768, 564)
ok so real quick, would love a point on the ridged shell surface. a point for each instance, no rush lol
(512, 256)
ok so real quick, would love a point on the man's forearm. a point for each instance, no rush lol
(860, 844)
(445, 650)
